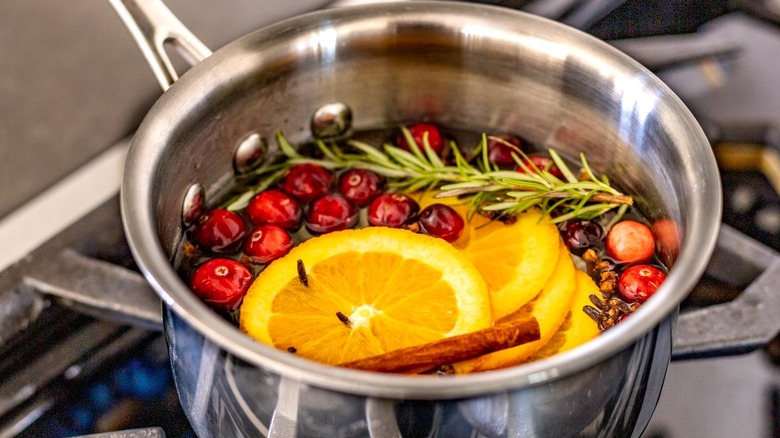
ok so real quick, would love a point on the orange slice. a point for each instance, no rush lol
(392, 289)
(515, 260)
(549, 308)
(577, 328)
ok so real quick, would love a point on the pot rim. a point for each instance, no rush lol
(701, 223)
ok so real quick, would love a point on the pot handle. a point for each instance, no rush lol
(152, 26)
(744, 324)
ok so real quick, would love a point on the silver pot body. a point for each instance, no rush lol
(468, 66)
(225, 396)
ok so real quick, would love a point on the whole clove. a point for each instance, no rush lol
(302, 277)
(344, 319)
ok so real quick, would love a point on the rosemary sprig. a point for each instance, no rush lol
(479, 183)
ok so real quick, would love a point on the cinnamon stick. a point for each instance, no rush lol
(425, 357)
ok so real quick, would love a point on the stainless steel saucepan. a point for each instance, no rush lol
(462, 65)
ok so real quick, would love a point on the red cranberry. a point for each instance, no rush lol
(331, 212)
(639, 282)
(360, 186)
(501, 148)
(667, 239)
(392, 210)
(418, 132)
(541, 162)
(579, 235)
(219, 230)
(275, 207)
(307, 181)
(221, 283)
(630, 242)
(267, 243)
(442, 221)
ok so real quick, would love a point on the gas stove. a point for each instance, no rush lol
(69, 367)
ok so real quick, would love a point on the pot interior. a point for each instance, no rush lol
(466, 67)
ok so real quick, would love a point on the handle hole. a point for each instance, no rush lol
(180, 58)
